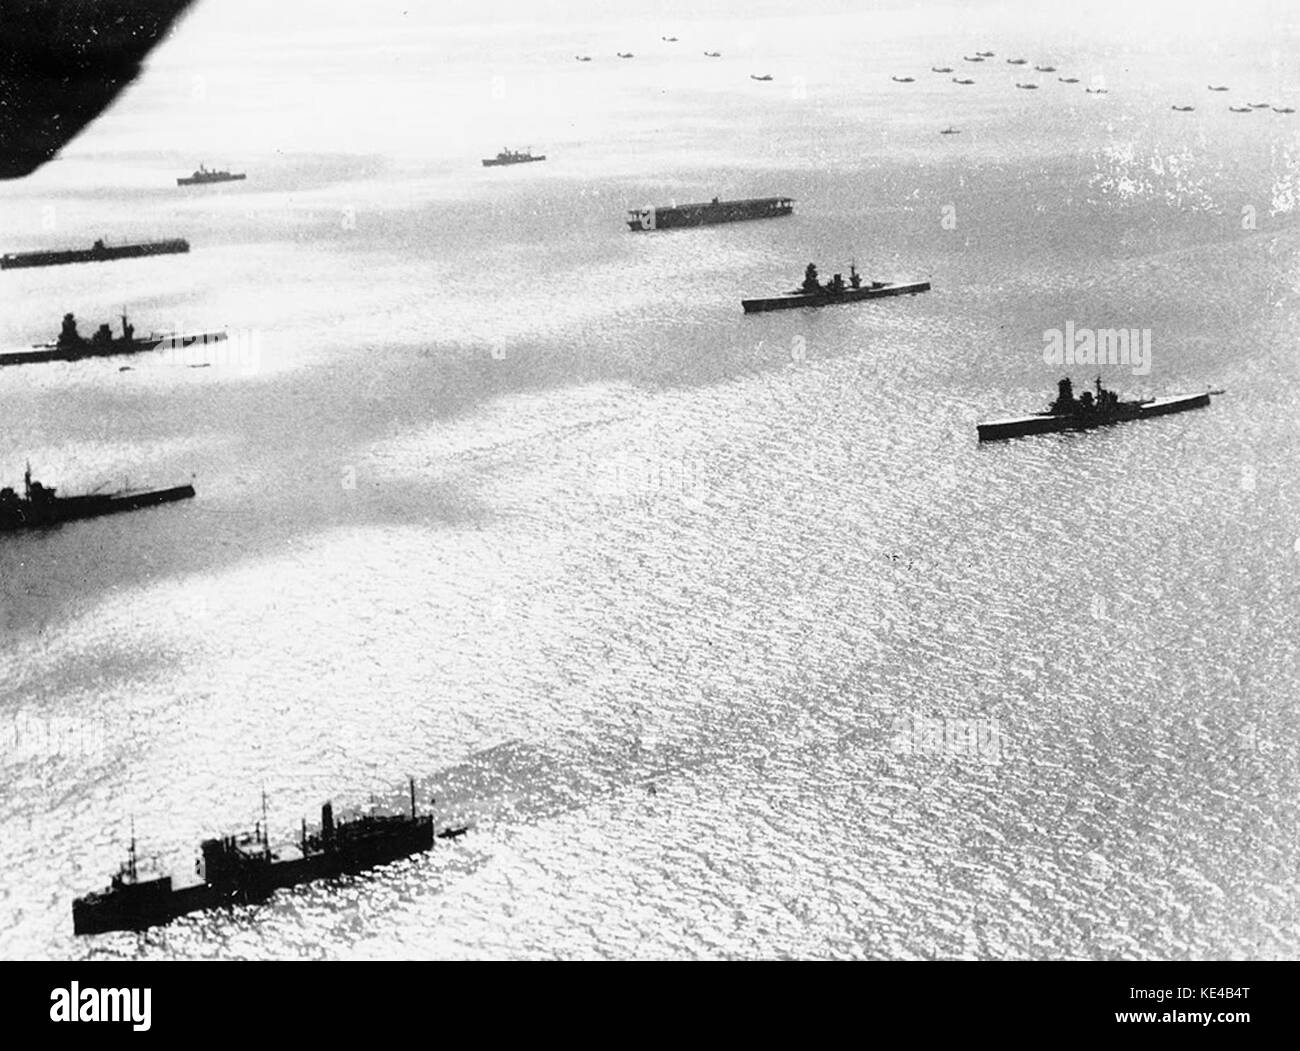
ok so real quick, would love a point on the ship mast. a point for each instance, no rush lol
(412, 799)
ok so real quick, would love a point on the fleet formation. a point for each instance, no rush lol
(245, 869)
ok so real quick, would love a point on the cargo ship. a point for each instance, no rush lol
(1068, 413)
(243, 869)
(72, 346)
(512, 157)
(39, 507)
(812, 293)
(96, 253)
(203, 176)
(715, 211)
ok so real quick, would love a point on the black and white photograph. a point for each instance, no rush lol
(595, 480)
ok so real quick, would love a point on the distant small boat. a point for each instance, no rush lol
(1240, 109)
(203, 176)
(509, 156)
(1068, 80)
(583, 58)
(902, 80)
(626, 54)
(1015, 61)
(1183, 109)
(713, 54)
(968, 58)
(1259, 105)
(1028, 87)
(962, 80)
(669, 39)
(984, 54)
(1045, 69)
(765, 76)
(1283, 109)
(1097, 91)
(1219, 87)
(941, 69)
(950, 131)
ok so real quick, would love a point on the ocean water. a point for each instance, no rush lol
(722, 631)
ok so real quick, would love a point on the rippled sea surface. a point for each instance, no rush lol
(721, 630)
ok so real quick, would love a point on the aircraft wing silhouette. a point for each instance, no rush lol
(62, 62)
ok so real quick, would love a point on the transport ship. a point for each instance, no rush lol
(243, 869)
(813, 293)
(72, 346)
(715, 211)
(204, 175)
(39, 507)
(97, 253)
(1070, 413)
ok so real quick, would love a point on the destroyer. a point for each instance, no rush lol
(97, 253)
(39, 507)
(715, 211)
(1068, 413)
(511, 157)
(813, 293)
(204, 176)
(72, 346)
(244, 869)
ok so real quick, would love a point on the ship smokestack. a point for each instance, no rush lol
(327, 822)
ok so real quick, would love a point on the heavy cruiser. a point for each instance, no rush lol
(1070, 413)
(73, 346)
(714, 211)
(244, 869)
(813, 293)
(39, 507)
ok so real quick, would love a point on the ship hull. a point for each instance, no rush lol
(74, 508)
(93, 255)
(709, 213)
(190, 180)
(497, 162)
(1049, 423)
(53, 352)
(823, 299)
(99, 913)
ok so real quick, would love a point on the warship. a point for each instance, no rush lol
(39, 507)
(1070, 413)
(243, 869)
(96, 253)
(203, 176)
(812, 293)
(511, 157)
(715, 211)
(72, 346)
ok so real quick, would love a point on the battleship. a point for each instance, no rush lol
(511, 157)
(204, 175)
(715, 211)
(96, 253)
(39, 507)
(244, 870)
(1070, 413)
(72, 346)
(812, 293)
